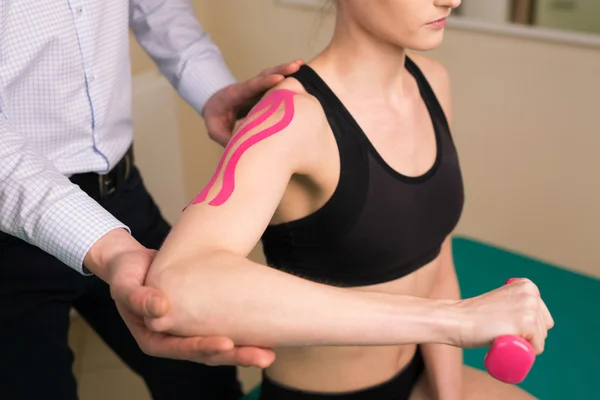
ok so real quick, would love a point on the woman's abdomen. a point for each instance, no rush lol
(342, 369)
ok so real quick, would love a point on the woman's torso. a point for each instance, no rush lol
(387, 193)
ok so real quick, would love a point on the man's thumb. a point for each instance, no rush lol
(146, 302)
(155, 303)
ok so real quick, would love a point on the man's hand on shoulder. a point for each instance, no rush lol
(227, 105)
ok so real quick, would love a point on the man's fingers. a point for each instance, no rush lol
(244, 357)
(212, 351)
(260, 84)
(194, 348)
(256, 86)
(210, 345)
(206, 350)
(255, 357)
(272, 76)
(283, 69)
(292, 67)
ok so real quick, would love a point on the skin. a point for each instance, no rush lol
(122, 262)
(222, 110)
(352, 338)
(267, 107)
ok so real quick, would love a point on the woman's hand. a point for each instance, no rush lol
(514, 309)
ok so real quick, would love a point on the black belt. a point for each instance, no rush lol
(99, 186)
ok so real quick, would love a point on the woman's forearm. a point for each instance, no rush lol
(444, 369)
(227, 295)
(444, 363)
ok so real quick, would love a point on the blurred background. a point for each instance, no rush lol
(525, 104)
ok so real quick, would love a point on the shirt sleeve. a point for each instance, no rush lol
(170, 33)
(41, 206)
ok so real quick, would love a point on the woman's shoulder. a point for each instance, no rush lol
(305, 104)
(434, 70)
(296, 116)
(303, 110)
(438, 77)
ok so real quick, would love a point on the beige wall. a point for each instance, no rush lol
(526, 124)
(525, 121)
(199, 154)
(583, 17)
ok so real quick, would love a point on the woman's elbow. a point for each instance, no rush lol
(182, 288)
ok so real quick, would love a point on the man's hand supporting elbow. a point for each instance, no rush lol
(122, 262)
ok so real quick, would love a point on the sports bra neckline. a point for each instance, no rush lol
(335, 101)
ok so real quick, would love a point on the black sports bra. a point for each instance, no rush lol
(378, 225)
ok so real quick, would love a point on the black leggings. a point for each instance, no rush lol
(397, 388)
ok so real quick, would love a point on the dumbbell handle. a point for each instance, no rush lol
(510, 357)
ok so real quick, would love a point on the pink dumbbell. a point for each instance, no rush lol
(510, 358)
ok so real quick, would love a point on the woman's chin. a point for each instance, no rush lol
(431, 41)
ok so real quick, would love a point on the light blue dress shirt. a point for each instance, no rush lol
(65, 105)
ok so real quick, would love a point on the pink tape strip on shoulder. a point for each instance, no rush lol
(271, 103)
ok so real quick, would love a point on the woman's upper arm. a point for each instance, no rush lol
(233, 210)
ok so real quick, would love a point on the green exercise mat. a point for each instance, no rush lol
(567, 369)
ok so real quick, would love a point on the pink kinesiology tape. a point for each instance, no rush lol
(271, 103)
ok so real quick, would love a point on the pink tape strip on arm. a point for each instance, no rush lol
(272, 102)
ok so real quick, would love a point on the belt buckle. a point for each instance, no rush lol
(106, 185)
(128, 163)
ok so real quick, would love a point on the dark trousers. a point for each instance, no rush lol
(37, 292)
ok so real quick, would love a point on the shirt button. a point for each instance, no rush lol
(79, 11)
(92, 78)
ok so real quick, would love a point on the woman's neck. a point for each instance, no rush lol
(362, 63)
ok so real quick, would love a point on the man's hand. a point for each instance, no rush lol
(123, 263)
(222, 109)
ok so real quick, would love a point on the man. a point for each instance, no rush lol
(70, 195)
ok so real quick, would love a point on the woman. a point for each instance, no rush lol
(348, 172)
